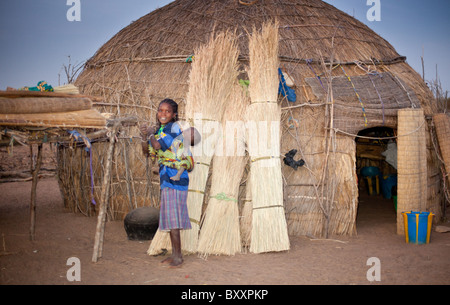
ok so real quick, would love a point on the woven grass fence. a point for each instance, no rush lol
(134, 182)
(411, 164)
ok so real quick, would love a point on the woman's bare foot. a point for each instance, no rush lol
(176, 262)
(168, 260)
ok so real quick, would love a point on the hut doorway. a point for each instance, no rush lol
(376, 168)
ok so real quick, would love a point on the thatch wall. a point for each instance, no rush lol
(133, 184)
(148, 61)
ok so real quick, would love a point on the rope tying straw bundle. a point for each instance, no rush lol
(269, 207)
(264, 158)
(197, 191)
(194, 221)
(202, 163)
(224, 197)
(247, 3)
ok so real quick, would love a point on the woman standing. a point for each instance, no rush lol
(162, 145)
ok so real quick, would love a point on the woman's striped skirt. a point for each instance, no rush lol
(174, 211)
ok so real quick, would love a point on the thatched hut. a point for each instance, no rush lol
(347, 79)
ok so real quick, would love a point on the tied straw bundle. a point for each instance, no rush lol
(246, 218)
(269, 227)
(213, 73)
(69, 89)
(220, 234)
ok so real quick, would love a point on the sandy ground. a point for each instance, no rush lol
(61, 235)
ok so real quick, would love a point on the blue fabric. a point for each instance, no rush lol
(166, 172)
(165, 138)
(285, 90)
(169, 133)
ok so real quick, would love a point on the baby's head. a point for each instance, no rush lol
(191, 136)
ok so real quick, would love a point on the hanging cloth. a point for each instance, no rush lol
(285, 90)
(41, 86)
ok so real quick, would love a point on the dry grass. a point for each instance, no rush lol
(269, 228)
(220, 233)
(412, 164)
(214, 72)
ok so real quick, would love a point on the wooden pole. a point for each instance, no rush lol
(101, 220)
(127, 174)
(34, 171)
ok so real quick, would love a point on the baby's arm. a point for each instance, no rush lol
(178, 175)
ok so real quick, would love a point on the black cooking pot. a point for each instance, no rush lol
(142, 223)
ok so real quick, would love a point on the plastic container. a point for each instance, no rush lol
(371, 175)
(370, 171)
(387, 183)
(418, 227)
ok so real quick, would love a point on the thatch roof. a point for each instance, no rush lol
(146, 61)
(306, 27)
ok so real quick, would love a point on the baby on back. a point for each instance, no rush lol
(191, 138)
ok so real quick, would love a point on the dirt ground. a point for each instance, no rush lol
(61, 235)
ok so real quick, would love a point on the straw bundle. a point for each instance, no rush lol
(28, 105)
(69, 89)
(220, 228)
(160, 242)
(442, 123)
(412, 164)
(269, 228)
(90, 118)
(213, 73)
(246, 218)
